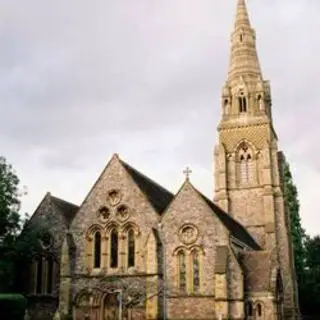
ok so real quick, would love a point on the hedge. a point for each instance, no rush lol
(12, 306)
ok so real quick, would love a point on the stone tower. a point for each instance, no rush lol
(247, 160)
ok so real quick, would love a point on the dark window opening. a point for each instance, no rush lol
(131, 248)
(50, 275)
(39, 276)
(242, 104)
(241, 37)
(259, 310)
(114, 249)
(249, 309)
(97, 250)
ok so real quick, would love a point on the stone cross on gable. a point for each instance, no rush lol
(187, 171)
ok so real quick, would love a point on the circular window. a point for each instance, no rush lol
(104, 213)
(113, 197)
(122, 212)
(188, 234)
(46, 240)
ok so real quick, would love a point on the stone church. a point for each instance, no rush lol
(134, 250)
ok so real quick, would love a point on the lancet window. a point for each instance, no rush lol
(97, 250)
(114, 248)
(182, 271)
(195, 271)
(189, 270)
(43, 275)
(245, 164)
(242, 100)
(131, 248)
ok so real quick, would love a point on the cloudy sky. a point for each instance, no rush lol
(80, 80)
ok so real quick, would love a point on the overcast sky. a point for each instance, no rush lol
(81, 80)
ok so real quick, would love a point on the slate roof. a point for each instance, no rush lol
(158, 196)
(68, 209)
(237, 230)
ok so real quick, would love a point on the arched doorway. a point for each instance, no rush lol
(110, 307)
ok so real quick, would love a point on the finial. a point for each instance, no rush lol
(187, 171)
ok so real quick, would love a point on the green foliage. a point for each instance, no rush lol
(9, 202)
(297, 232)
(306, 251)
(16, 250)
(310, 288)
(12, 306)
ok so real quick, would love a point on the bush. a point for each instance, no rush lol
(67, 317)
(12, 306)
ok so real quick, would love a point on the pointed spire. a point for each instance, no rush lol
(244, 58)
(242, 16)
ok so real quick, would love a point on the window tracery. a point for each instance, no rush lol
(245, 164)
(43, 275)
(189, 269)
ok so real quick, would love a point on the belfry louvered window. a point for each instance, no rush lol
(245, 165)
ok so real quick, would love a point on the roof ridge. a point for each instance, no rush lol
(65, 201)
(158, 196)
(146, 177)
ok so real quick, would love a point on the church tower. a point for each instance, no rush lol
(247, 160)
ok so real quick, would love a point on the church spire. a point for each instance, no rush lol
(244, 60)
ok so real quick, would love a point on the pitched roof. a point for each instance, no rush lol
(236, 229)
(67, 209)
(158, 196)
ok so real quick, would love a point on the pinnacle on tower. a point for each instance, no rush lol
(244, 60)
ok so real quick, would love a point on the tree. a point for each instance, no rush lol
(9, 203)
(297, 232)
(15, 248)
(310, 288)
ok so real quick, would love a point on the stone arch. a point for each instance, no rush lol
(245, 163)
(110, 226)
(92, 230)
(197, 249)
(179, 249)
(130, 225)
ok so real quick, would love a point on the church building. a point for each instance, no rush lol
(133, 250)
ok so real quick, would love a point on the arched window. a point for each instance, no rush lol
(50, 275)
(242, 100)
(182, 271)
(39, 275)
(97, 250)
(249, 310)
(114, 245)
(245, 164)
(196, 271)
(131, 248)
(259, 311)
